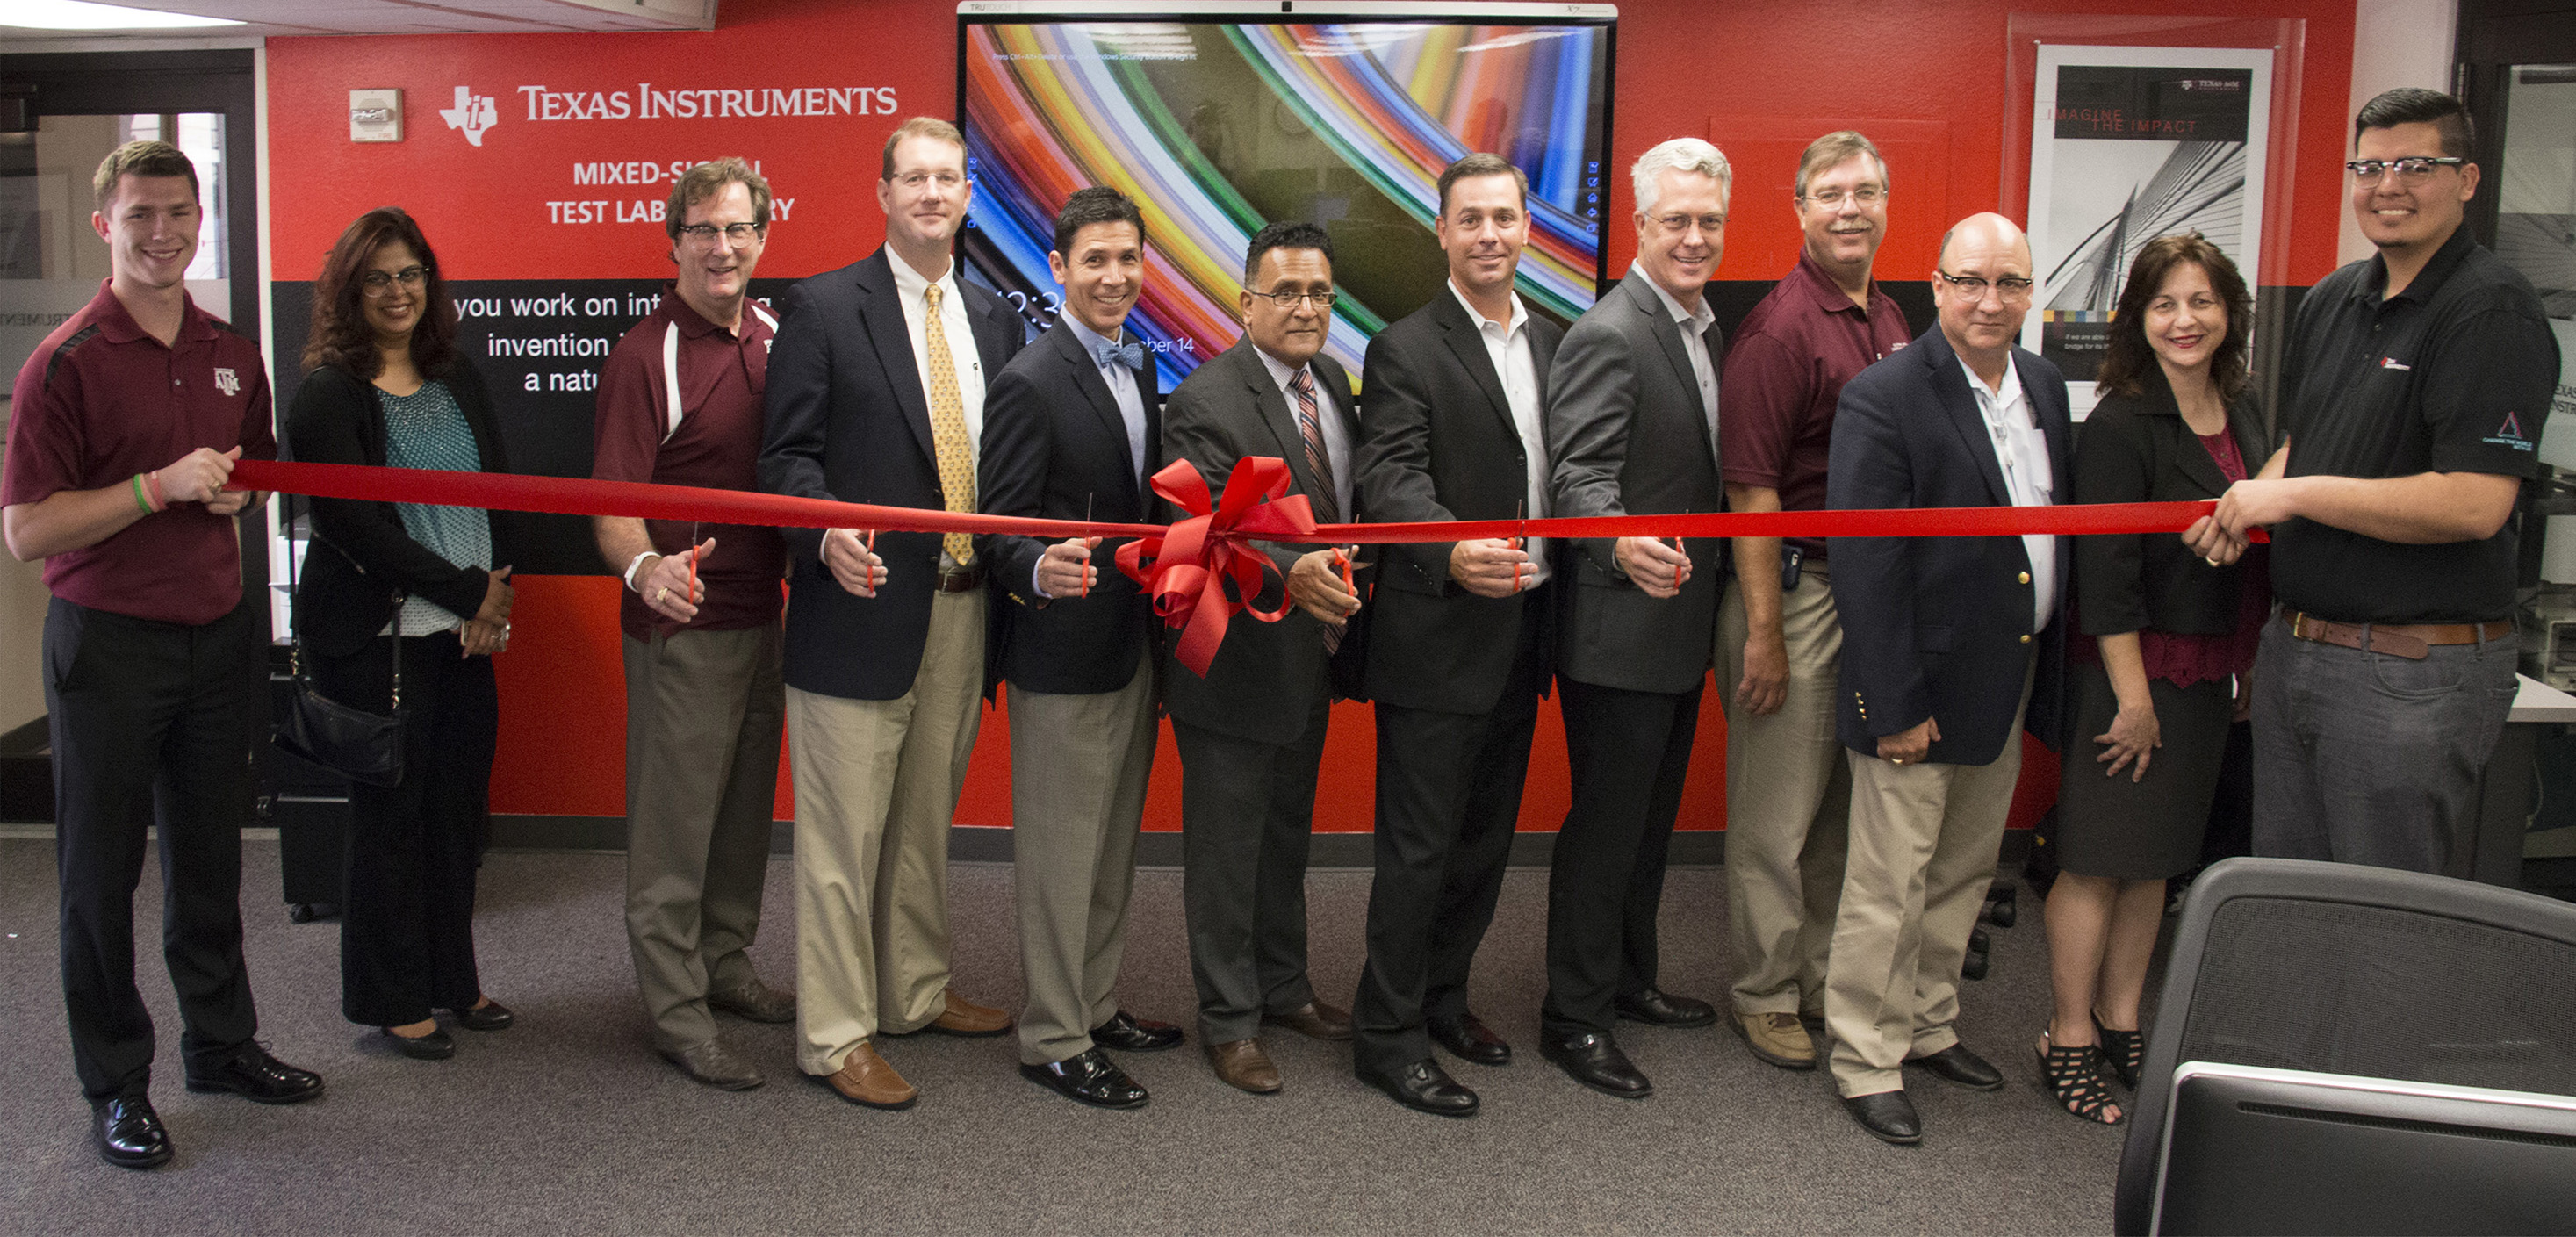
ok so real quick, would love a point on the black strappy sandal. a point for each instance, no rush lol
(2124, 1051)
(2072, 1076)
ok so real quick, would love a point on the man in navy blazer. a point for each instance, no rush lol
(876, 394)
(1952, 647)
(1071, 433)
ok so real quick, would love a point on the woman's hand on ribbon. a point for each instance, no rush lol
(852, 562)
(1655, 568)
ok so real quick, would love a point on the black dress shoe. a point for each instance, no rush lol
(489, 1016)
(1424, 1087)
(1594, 1060)
(129, 1133)
(1658, 1008)
(1128, 1033)
(249, 1072)
(1468, 1040)
(1887, 1115)
(1088, 1077)
(438, 1045)
(1956, 1064)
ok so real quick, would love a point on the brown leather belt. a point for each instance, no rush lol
(965, 579)
(2408, 640)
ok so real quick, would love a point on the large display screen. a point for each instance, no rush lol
(1218, 126)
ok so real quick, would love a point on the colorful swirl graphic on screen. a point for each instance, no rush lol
(1216, 129)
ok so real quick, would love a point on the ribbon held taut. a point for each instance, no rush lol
(1189, 561)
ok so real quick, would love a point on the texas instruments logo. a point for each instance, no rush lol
(472, 115)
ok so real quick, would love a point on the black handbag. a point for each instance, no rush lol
(359, 745)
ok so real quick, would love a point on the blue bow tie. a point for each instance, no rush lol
(1130, 354)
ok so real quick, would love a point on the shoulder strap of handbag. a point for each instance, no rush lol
(295, 603)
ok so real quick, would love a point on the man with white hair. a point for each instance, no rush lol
(1952, 647)
(1632, 430)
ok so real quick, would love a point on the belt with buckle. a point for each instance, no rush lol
(964, 579)
(2408, 640)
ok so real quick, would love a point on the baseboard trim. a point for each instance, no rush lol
(981, 844)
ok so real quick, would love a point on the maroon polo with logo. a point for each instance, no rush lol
(100, 401)
(680, 404)
(1784, 375)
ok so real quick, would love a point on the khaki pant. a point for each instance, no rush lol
(1923, 845)
(1078, 769)
(703, 715)
(876, 788)
(1788, 804)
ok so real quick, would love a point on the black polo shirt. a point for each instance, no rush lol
(2454, 374)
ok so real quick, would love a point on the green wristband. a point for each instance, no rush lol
(139, 500)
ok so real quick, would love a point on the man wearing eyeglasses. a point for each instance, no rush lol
(876, 395)
(1952, 648)
(1788, 789)
(1632, 430)
(1251, 733)
(2415, 385)
(679, 404)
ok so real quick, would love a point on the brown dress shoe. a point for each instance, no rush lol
(1315, 1020)
(964, 1017)
(1243, 1065)
(865, 1079)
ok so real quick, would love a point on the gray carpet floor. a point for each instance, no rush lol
(567, 1122)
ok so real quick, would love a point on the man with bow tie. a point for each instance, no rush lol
(1071, 433)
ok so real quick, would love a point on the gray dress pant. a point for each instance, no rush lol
(704, 712)
(1247, 817)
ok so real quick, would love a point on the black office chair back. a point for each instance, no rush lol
(2344, 969)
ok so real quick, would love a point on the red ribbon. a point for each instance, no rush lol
(1190, 561)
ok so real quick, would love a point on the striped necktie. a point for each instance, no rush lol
(1310, 426)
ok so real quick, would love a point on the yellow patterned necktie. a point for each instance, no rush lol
(948, 427)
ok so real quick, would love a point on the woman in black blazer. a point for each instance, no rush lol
(385, 386)
(2176, 636)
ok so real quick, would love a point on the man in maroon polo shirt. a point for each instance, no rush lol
(124, 426)
(1788, 788)
(680, 404)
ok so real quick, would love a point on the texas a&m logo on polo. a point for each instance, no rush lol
(227, 382)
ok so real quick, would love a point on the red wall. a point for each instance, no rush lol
(1926, 80)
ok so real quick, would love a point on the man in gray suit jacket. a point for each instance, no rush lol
(1251, 732)
(1631, 426)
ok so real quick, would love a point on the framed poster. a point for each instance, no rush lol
(2129, 144)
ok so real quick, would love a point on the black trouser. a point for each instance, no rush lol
(1247, 824)
(407, 927)
(1448, 800)
(1629, 752)
(152, 722)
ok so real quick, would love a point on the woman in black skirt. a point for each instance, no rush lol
(384, 385)
(2176, 637)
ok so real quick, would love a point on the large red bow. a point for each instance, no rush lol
(1186, 568)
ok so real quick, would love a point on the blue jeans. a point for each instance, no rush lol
(2372, 758)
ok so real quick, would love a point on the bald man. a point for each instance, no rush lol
(1952, 648)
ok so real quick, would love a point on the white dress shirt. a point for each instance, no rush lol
(910, 287)
(1694, 324)
(1507, 344)
(2021, 449)
(1337, 441)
